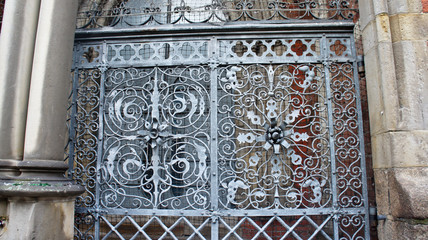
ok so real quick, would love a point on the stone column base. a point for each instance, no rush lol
(38, 218)
(38, 203)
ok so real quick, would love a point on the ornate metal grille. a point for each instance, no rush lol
(219, 135)
(125, 13)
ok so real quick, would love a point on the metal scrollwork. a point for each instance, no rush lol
(278, 158)
(85, 136)
(156, 149)
(219, 137)
(140, 13)
(347, 142)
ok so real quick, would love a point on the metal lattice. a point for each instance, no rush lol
(125, 13)
(219, 136)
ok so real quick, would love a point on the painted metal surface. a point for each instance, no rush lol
(120, 14)
(219, 136)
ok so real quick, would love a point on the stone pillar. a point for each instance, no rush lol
(17, 48)
(17, 40)
(395, 35)
(45, 135)
(40, 200)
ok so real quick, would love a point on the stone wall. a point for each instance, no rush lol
(395, 34)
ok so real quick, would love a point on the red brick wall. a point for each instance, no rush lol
(425, 5)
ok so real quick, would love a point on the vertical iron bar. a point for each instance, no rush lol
(214, 171)
(168, 12)
(361, 138)
(324, 55)
(102, 70)
(72, 130)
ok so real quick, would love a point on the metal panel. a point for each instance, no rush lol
(219, 137)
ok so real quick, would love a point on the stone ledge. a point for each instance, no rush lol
(40, 189)
(400, 149)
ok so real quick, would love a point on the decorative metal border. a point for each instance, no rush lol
(151, 13)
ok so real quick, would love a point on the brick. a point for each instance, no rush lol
(425, 6)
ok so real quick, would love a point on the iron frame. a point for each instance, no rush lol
(212, 35)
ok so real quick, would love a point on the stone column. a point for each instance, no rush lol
(40, 199)
(395, 35)
(17, 48)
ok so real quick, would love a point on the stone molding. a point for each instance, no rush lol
(37, 178)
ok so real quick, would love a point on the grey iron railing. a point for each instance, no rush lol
(240, 131)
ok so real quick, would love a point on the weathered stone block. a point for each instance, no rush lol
(381, 151)
(412, 81)
(382, 191)
(402, 230)
(397, 82)
(404, 6)
(410, 26)
(381, 88)
(401, 193)
(375, 32)
(39, 219)
(383, 28)
(408, 193)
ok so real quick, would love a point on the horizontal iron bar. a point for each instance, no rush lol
(242, 35)
(149, 64)
(226, 213)
(209, 29)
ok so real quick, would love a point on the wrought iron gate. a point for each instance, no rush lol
(220, 133)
